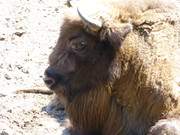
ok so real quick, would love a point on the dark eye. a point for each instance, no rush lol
(79, 46)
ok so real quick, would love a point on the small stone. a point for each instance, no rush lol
(56, 9)
(19, 34)
(26, 123)
(4, 133)
(2, 38)
(9, 68)
(1, 65)
(7, 77)
(40, 124)
(2, 95)
(25, 71)
(10, 111)
(19, 66)
(7, 19)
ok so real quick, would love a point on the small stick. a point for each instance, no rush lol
(34, 90)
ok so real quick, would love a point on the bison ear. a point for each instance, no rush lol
(115, 34)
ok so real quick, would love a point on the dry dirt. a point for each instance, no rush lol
(28, 32)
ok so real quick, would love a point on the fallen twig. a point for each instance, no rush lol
(34, 90)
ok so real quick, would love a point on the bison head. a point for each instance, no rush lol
(84, 53)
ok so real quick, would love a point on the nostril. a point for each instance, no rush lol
(52, 77)
(49, 81)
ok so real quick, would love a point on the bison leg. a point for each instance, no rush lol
(166, 127)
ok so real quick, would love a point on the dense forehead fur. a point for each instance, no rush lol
(71, 23)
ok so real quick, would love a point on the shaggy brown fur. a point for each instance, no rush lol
(121, 81)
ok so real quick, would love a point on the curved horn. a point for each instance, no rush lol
(93, 24)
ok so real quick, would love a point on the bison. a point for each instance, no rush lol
(116, 67)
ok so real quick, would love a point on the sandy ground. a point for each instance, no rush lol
(28, 32)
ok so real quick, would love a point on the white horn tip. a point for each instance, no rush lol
(89, 18)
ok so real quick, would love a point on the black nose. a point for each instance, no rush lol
(51, 77)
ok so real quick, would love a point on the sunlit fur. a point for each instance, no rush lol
(166, 127)
(143, 83)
